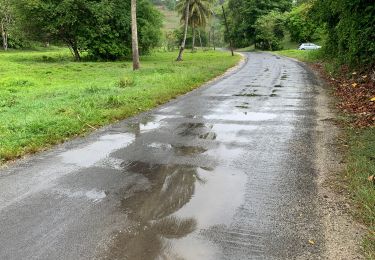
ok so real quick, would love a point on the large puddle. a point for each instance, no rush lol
(181, 201)
(89, 155)
(176, 202)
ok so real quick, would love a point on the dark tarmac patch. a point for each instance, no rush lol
(247, 95)
(244, 107)
(188, 150)
(193, 129)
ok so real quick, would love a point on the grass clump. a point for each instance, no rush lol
(361, 165)
(125, 82)
(46, 97)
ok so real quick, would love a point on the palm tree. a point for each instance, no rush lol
(5, 21)
(199, 13)
(136, 64)
(185, 18)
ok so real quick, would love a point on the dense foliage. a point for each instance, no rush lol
(350, 29)
(103, 28)
(269, 31)
(301, 24)
(243, 14)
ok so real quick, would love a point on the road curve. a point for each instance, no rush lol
(225, 172)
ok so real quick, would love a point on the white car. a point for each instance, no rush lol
(309, 46)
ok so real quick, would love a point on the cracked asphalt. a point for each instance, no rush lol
(225, 172)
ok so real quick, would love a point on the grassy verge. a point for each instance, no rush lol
(46, 98)
(306, 56)
(360, 162)
(247, 49)
(361, 165)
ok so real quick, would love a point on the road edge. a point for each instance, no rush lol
(343, 234)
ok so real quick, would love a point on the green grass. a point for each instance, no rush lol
(46, 98)
(306, 56)
(361, 165)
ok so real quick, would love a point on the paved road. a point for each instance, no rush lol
(226, 172)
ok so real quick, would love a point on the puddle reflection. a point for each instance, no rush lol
(178, 200)
(171, 187)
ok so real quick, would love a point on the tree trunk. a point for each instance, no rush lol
(193, 43)
(209, 39)
(76, 53)
(200, 39)
(182, 48)
(227, 28)
(213, 38)
(4, 35)
(136, 64)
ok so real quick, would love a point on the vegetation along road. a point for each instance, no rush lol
(53, 98)
(229, 170)
(112, 147)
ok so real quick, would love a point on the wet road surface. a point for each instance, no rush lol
(225, 172)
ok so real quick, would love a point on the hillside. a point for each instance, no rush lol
(171, 20)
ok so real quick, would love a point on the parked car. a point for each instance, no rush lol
(309, 46)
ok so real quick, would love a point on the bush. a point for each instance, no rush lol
(301, 26)
(269, 31)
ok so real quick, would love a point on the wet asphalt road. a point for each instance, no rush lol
(225, 172)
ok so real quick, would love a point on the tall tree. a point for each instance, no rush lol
(102, 28)
(200, 13)
(242, 15)
(186, 21)
(6, 19)
(196, 13)
(136, 64)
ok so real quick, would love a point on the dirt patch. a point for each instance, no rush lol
(343, 235)
(355, 92)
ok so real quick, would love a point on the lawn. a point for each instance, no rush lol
(306, 56)
(46, 98)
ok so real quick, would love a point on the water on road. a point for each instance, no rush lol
(225, 172)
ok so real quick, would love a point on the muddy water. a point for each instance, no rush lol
(223, 173)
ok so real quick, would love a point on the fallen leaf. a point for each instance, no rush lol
(371, 178)
(312, 242)
(354, 85)
(354, 73)
(373, 99)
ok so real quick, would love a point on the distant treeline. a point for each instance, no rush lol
(102, 28)
(346, 28)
